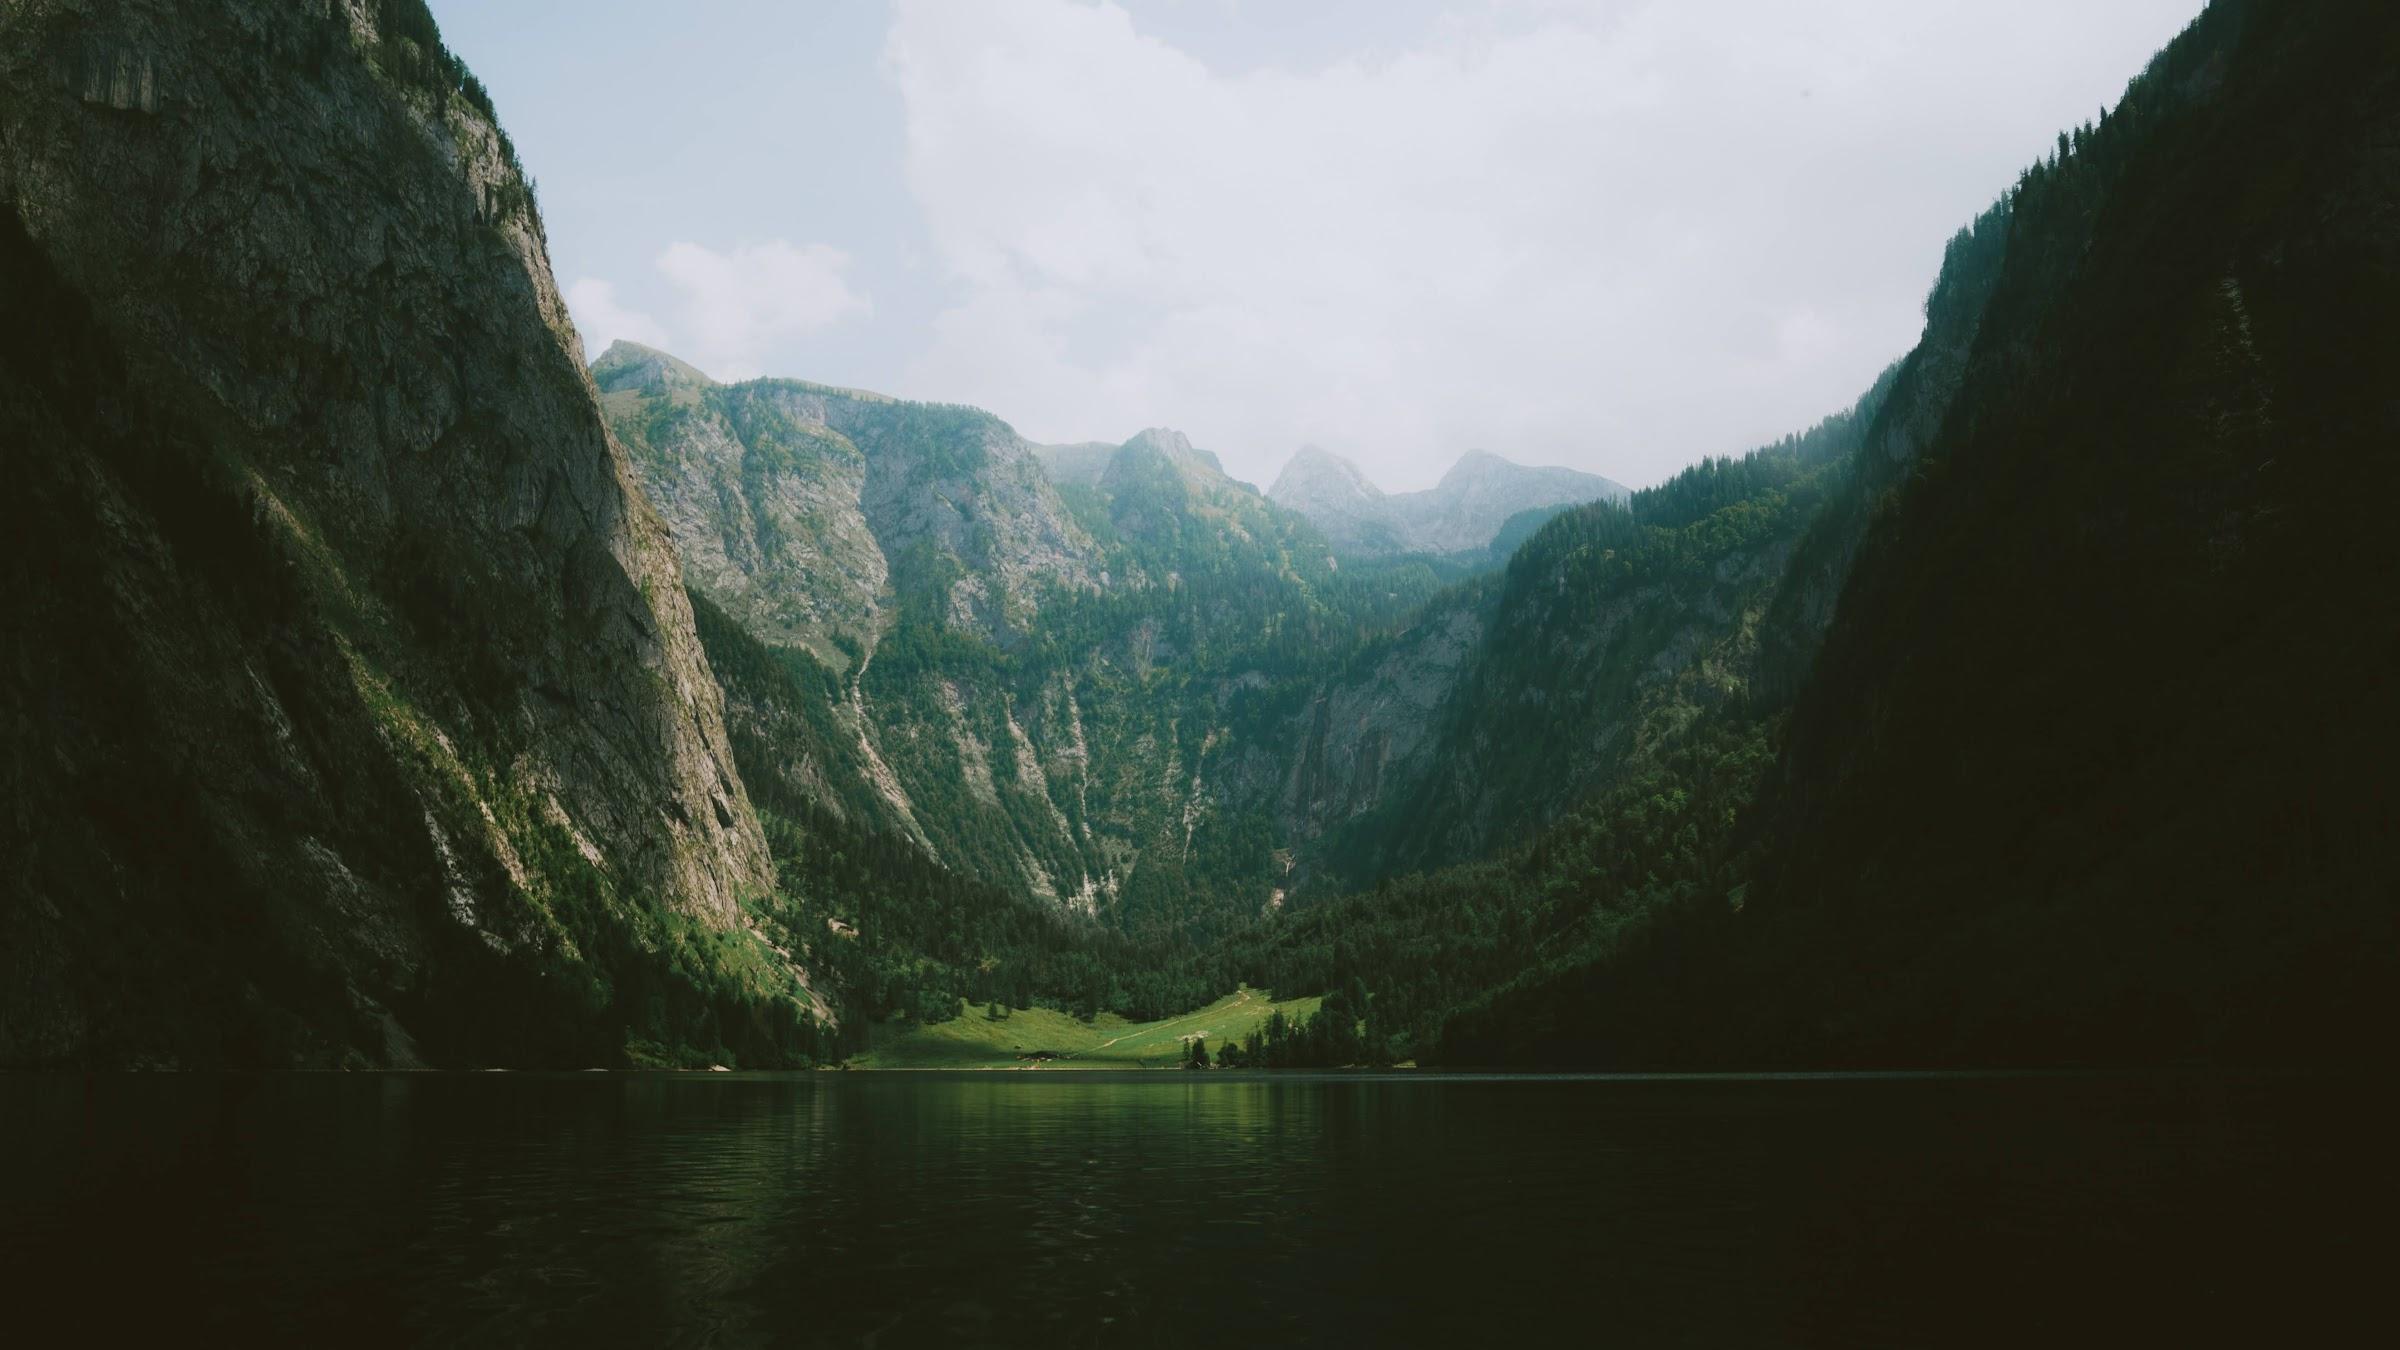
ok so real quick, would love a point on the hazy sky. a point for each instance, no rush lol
(1615, 234)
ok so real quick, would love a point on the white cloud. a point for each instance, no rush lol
(731, 308)
(602, 318)
(1618, 234)
(736, 305)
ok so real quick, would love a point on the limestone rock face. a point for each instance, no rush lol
(1367, 735)
(808, 511)
(762, 500)
(1138, 759)
(315, 317)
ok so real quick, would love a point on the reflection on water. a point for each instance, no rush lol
(1170, 1209)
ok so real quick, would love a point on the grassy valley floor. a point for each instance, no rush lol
(1049, 1039)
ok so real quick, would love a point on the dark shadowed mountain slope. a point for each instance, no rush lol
(1612, 628)
(2093, 764)
(2096, 757)
(354, 709)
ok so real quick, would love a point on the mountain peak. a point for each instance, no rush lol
(1462, 513)
(1165, 440)
(630, 365)
(1175, 448)
(1475, 463)
(1317, 476)
(1481, 471)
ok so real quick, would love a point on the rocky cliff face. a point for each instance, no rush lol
(1368, 733)
(355, 684)
(1152, 750)
(1461, 514)
(829, 522)
(1042, 667)
(762, 498)
(834, 522)
(813, 514)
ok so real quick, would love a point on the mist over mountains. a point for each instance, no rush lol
(1470, 507)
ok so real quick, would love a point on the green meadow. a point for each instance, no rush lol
(972, 1040)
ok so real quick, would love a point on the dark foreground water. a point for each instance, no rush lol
(1166, 1209)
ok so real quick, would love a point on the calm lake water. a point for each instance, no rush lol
(1169, 1209)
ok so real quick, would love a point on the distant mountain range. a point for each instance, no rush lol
(1482, 501)
(1463, 513)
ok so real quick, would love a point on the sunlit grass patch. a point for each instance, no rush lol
(972, 1040)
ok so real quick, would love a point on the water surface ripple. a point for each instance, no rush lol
(1061, 1209)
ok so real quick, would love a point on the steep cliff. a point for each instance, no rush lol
(2089, 764)
(828, 523)
(1204, 705)
(2126, 787)
(1111, 679)
(817, 515)
(356, 710)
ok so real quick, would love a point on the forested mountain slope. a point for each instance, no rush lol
(1582, 771)
(354, 711)
(2127, 786)
(1083, 693)
(2089, 765)
(1180, 693)
(1611, 629)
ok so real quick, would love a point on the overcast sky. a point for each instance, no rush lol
(1613, 234)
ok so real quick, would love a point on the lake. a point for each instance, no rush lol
(889, 1210)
